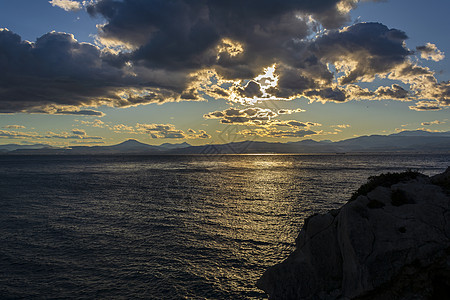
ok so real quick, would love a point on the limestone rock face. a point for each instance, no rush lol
(391, 243)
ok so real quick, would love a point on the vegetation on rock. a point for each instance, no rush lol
(386, 180)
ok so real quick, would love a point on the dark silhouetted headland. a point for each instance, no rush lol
(390, 241)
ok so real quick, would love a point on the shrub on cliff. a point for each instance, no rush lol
(386, 180)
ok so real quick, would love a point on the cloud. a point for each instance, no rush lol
(251, 90)
(430, 89)
(79, 132)
(76, 134)
(263, 122)
(359, 53)
(276, 133)
(355, 92)
(342, 126)
(327, 94)
(169, 131)
(163, 131)
(65, 110)
(156, 131)
(18, 135)
(237, 40)
(245, 51)
(430, 52)
(85, 142)
(289, 111)
(14, 127)
(425, 106)
(362, 51)
(252, 115)
(123, 127)
(58, 75)
(67, 5)
(393, 92)
(292, 123)
(83, 112)
(55, 71)
(436, 122)
(182, 33)
(200, 134)
(95, 123)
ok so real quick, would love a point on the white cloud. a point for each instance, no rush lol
(67, 5)
(430, 52)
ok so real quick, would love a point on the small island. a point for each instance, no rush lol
(390, 241)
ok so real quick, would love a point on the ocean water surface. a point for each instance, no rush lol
(166, 227)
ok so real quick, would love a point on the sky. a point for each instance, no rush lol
(212, 71)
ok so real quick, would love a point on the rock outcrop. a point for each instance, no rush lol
(391, 241)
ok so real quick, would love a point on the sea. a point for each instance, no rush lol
(167, 227)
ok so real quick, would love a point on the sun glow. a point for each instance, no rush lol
(267, 80)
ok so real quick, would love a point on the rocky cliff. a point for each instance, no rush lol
(390, 241)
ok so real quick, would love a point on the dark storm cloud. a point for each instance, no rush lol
(57, 75)
(359, 53)
(185, 34)
(372, 47)
(55, 70)
(198, 24)
(156, 49)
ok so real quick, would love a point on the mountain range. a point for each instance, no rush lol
(406, 141)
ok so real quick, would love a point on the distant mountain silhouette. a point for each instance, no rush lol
(12, 147)
(130, 145)
(174, 146)
(406, 141)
